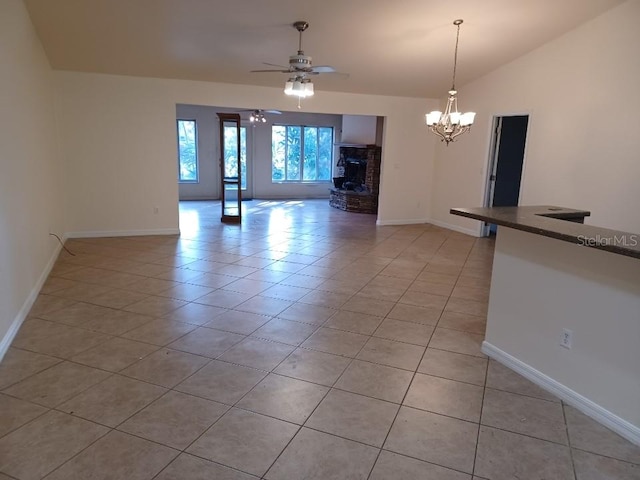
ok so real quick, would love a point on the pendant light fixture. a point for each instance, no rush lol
(451, 123)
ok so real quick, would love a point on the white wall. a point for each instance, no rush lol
(581, 92)
(30, 193)
(359, 129)
(118, 135)
(118, 139)
(259, 154)
(593, 293)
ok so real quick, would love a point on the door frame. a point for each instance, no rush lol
(249, 129)
(491, 162)
(232, 118)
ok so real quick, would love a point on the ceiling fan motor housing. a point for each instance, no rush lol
(300, 61)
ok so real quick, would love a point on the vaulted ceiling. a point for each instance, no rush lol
(389, 47)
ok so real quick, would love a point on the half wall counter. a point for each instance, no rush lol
(564, 309)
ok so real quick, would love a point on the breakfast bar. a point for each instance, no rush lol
(564, 309)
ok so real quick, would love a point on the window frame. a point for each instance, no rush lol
(244, 175)
(195, 127)
(301, 160)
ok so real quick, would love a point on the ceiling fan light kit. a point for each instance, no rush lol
(257, 117)
(451, 123)
(299, 87)
(300, 68)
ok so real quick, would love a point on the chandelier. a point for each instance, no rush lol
(451, 123)
(299, 86)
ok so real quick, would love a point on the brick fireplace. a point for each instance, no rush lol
(361, 184)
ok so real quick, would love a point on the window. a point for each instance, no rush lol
(243, 157)
(301, 154)
(187, 151)
(231, 146)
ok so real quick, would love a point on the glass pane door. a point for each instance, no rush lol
(230, 167)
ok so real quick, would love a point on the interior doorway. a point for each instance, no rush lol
(506, 162)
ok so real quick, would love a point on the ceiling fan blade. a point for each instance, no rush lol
(323, 69)
(274, 112)
(274, 65)
(269, 71)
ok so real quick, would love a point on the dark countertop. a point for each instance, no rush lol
(551, 221)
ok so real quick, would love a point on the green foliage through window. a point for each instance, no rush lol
(187, 151)
(301, 154)
(230, 153)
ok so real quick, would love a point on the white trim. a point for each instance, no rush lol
(123, 233)
(599, 414)
(456, 228)
(28, 303)
(199, 198)
(406, 221)
(491, 157)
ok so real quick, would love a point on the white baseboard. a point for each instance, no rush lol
(301, 197)
(455, 228)
(599, 414)
(203, 198)
(406, 221)
(28, 303)
(124, 233)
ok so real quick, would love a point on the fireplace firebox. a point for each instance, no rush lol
(360, 187)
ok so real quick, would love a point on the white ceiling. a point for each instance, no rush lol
(389, 47)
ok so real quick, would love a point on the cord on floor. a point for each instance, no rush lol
(62, 243)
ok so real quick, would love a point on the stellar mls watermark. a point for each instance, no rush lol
(621, 240)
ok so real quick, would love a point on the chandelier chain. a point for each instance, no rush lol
(455, 58)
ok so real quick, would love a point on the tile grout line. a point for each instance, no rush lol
(566, 429)
(401, 405)
(484, 390)
(329, 390)
(371, 248)
(404, 396)
(239, 400)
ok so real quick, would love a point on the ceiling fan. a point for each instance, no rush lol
(258, 115)
(300, 64)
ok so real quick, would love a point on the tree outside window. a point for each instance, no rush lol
(301, 153)
(230, 145)
(187, 151)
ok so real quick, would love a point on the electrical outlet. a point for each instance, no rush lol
(155, 210)
(566, 340)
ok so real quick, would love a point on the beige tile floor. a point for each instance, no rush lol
(305, 344)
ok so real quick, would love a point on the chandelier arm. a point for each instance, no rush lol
(460, 131)
(435, 130)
